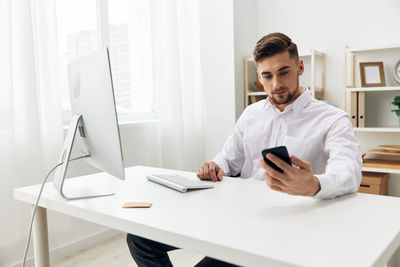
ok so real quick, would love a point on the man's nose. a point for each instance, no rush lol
(277, 83)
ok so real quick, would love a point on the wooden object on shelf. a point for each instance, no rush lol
(392, 148)
(246, 82)
(317, 92)
(256, 98)
(383, 152)
(381, 164)
(361, 109)
(374, 183)
(259, 86)
(353, 110)
(364, 73)
(352, 81)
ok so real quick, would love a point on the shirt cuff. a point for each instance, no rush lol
(223, 165)
(326, 190)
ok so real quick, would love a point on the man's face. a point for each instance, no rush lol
(279, 75)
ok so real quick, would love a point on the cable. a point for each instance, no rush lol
(37, 202)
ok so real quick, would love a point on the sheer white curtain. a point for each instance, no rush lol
(166, 53)
(30, 116)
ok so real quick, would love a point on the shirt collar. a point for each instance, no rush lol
(298, 105)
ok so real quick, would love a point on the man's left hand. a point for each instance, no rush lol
(297, 180)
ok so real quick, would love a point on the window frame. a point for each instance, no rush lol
(103, 40)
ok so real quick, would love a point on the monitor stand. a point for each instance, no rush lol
(73, 188)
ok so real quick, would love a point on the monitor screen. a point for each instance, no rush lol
(94, 124)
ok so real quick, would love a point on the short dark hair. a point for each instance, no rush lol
(275, 43)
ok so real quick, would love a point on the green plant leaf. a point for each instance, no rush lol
(396, 101)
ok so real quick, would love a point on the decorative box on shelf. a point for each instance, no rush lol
(374, 183)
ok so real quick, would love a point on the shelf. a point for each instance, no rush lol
(377, 129)
(368, 169)
(381, 165)
(257, 93)
(372, 48)
(380, 151)
(373, 89)
(383, 152)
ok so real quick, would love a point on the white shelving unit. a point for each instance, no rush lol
(256, 93)
(349, 59)
(394, 171)
(373, 89)
(250, 76)
(352, 90)
(377, 129)
(372, 49)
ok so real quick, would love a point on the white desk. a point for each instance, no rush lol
(239, 221)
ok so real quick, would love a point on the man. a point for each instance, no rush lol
(319, 137)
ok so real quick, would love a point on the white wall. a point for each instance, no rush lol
(245, 30)
(217, 59)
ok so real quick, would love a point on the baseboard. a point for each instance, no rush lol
(74, 246)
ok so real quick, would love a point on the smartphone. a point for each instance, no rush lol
(279, 151)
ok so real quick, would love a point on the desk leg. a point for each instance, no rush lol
(40, 238)
(395, 259)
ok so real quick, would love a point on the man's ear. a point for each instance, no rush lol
(301, 67)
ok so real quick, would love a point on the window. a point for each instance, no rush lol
(84, 26)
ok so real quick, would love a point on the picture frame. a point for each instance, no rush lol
(372, 74)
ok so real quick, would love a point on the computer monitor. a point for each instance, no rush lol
(94, 122)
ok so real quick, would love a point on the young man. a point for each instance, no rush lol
(319, 137)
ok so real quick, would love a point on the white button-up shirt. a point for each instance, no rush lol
(311, 129)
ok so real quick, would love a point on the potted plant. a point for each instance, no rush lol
(396, 102)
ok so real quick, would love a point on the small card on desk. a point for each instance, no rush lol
(136, 205)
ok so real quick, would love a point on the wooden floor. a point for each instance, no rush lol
(115, 253)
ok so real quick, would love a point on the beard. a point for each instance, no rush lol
(286, 97)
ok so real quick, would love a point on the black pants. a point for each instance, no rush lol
(149, 253)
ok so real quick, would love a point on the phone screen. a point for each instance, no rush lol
(279, 151)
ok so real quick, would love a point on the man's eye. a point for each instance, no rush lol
(267, 77)
(284, 73)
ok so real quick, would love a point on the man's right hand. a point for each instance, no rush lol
(210, 171)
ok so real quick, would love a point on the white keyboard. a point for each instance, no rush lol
(178, 182)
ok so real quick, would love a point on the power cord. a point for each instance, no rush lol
(37, 201)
